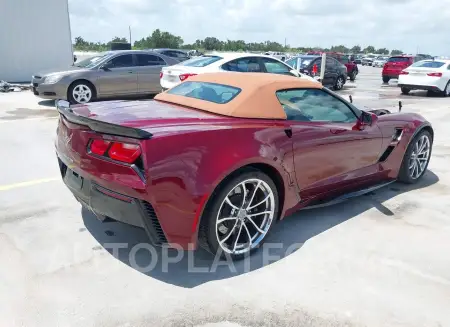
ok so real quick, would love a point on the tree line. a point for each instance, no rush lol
(162, 39)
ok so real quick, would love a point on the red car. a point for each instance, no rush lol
(394, 65)
(350, 64)
(218, 159)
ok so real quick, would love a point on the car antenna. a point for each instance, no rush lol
(400, 106)
(350, 98)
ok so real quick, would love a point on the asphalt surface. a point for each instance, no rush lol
(378, 260)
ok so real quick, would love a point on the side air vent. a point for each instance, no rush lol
(387, 153)
(397, 136)
(153, 224)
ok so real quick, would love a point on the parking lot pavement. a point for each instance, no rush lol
(377, 260)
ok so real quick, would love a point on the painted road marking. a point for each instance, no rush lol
(28, 183)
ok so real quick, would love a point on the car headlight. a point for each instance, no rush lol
(52, 79)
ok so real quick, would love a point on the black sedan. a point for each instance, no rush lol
(335, 72)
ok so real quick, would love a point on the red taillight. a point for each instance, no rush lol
(403, 73)
(118, 151)
(124, 152)
(161, 74)
(99, 147)
(435, 74)
(184, 77)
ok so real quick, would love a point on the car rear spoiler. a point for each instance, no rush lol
(67, 112)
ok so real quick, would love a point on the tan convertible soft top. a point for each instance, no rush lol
(256, 100)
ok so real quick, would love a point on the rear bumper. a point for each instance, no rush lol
(104, 202)
(421, 87)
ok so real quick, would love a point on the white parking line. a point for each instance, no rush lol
(28, 183)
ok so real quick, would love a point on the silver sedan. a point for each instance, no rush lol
(109, 74)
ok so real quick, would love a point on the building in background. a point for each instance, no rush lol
(34, 36)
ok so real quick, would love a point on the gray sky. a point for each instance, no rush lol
(403, 24)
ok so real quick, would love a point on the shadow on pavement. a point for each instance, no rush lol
(47, 103)
(286, 237)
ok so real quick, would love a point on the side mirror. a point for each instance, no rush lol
(366, 119)
(105, 67)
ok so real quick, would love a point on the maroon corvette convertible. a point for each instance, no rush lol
(218, 159)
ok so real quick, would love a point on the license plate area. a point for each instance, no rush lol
(73, 180)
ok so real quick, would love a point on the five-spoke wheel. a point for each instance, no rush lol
(240, 215)
(417, 157)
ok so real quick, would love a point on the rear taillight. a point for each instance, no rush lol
(184, 77)
(99, 147)
(403, 73)
(124, 152)
(161, 74)
(118, 151)
(435, 74)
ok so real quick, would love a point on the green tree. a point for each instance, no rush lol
(159, 39)
(339, 48)
(396, 52)
(383, 51)
(369, 49)
(355, 49)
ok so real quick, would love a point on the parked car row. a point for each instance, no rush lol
(144, 72)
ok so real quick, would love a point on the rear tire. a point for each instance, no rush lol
(416, 159)
(446, 91)
(339, 84)
(405, 90)
(353, 75)
(386, 79)
(228, 225)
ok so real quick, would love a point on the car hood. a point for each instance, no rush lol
(69, 70)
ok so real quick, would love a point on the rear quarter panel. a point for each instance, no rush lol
(185, 168)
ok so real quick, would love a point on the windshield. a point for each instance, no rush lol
(428, 64)
(299, 62)
(201, 61)
(91, 61)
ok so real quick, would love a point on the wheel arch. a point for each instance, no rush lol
(270, 170)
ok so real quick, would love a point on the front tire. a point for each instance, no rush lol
(405, 90)
(239, 215)
(416, 158)
(353, 75)
(386, 79)
(81, 92)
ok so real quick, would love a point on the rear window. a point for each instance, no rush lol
(201, 61)
(428, 64)
(299, 62)
(212, 92)
(399, 59)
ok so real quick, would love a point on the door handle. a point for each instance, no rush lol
(337, 130)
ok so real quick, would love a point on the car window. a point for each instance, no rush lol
(247, 65)
(212, 92)
(149, 60)
(299, 62)
(429, 64)
(202, 61)
(398, 59)
(179, 54)
(275, 67)
(314, 105)
(91, 61)
(330, 63)
(121, 61)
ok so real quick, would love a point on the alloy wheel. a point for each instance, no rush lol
(419, 157)
(82, 93)
(339, 83)
(245, 216)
